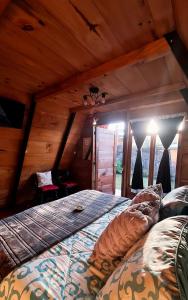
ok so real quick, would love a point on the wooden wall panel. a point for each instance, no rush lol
(68, 37)
(46, 133)
(10, 142)
(181, 20)
(73, 140)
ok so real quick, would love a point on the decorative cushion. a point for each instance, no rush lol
(44, 178)
(180, 193)
(155, 267)
(123, 231)
(145, 195)
(157, 188)
(175, 203)
(50, 187)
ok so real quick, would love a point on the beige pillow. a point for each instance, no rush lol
(121, 234)
(155, 267)
(145, 195)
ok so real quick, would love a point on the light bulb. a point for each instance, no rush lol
(152, 127)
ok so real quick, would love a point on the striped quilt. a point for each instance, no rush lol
(29, 233)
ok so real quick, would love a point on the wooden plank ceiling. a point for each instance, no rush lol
(44, 42)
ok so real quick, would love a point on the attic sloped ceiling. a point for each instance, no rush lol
(44, 42)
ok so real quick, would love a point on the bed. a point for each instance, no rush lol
(61, 271)
(154, 268)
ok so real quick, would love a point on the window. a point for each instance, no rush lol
(145, 160)
(173, 152)
(145, 150)
(152, 152)
(158, 155)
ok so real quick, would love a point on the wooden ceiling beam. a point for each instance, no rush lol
(179, 50)
(149, 102)
(166, 89)
(151, 51)
(3, 5)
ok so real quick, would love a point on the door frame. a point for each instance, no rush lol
(96, 159)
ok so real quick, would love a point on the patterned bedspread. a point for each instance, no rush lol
(61, 272)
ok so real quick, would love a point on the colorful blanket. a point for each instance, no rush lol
(29, 233)
(63, 271)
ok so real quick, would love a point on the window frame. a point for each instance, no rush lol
(128, 191)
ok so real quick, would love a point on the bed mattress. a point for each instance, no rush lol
(61, 272)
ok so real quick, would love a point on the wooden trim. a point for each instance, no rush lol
(151, 159)
(64, 140)
(94, 158)
(3, 5)
(114, 161)
(23, 150)
(125, 158)
(179, 157)
(136, 96)
(128, 165)
(151, 51)
(179, 160)
(179, 50)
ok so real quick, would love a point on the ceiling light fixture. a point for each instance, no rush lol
(94, 97)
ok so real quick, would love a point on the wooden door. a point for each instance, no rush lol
(105, 160)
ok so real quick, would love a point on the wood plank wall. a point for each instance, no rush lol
(81, 169)
(72, 141)
(48, 126)
(10, 143)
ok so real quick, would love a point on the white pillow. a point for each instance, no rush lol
(44, 178)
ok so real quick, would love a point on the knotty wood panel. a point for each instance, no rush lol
(47, 129)
(73, 36)
(72, 140)
(162, 74)
(3, 5)
(146, 54)
(162, 15)
(181, 20)
(10, 142)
